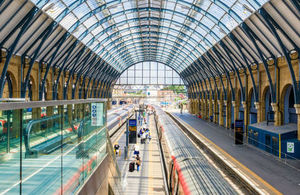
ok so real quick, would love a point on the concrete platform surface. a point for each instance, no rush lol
(149, 180)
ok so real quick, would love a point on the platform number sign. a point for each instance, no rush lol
(97, 113)
(290, 147)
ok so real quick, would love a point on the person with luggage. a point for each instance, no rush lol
(137, 162)
(131, 166)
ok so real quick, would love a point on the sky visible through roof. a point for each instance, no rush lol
(125, 32)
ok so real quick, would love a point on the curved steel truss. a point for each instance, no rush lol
(200, 39)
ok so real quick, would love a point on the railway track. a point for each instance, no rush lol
(238, 180)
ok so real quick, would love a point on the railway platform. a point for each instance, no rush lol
(263, 167)
(149, 179)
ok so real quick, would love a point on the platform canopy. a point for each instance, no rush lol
(212, 37)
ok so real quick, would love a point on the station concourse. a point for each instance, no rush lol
(213, 85)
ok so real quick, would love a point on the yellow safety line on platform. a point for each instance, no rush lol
(275, 191)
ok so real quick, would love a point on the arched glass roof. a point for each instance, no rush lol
(124, 32)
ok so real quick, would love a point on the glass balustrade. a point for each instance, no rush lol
(51, 149)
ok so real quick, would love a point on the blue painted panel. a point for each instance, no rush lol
(232, 116)
(269, 141)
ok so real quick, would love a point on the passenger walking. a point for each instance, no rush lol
(136, 149)
(138, 162)
(143, 138)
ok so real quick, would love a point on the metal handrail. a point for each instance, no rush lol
(29, 128)
(38, 104)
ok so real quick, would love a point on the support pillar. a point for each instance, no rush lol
(228, 115)
(16, 114)
(297, 107)
(210, 109)
(109, 104)
(203, 108)
(215, 118)
(221, 119)
(235, 110)
(70, 113)
(258, 108)
(277, 114)
(246, 116)
(190, 106)
(197, 107)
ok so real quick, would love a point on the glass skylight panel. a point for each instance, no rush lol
(81, 10)
(187, 23)
(68, 21)
(79, 30)
(207, 22)
(99, 15)
(89, 22)
(97, 30)
(229, 22)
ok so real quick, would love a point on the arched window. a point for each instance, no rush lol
(289, 109)
(269, 114)
(253, 111)
(149, 73)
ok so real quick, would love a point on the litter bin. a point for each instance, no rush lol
(238, 132)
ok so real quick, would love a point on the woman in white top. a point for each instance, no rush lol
(136, 149)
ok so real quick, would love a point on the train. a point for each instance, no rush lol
(187, 169)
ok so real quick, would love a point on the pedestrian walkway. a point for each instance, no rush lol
(149, 180)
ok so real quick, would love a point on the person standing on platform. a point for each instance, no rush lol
(136, 149)
(143, 138)
(137, 162)
(181, 107)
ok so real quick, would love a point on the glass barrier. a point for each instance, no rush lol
(51, 150)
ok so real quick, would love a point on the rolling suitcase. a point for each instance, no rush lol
(131, 167)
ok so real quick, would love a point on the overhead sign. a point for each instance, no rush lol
(132, 125)
(97, 114)
(132, 122)
(239, 123)
(290, 147)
